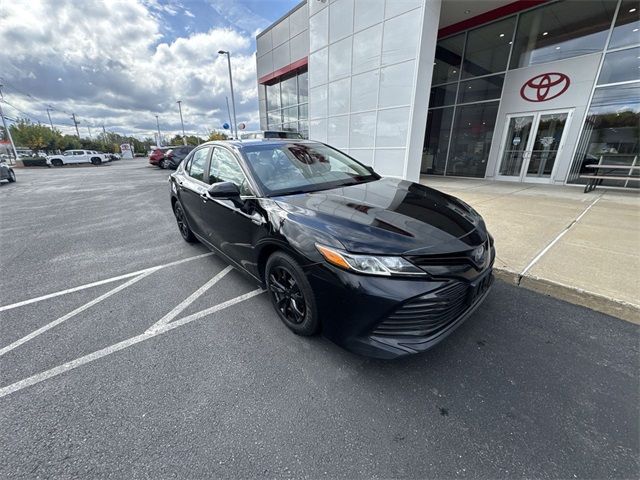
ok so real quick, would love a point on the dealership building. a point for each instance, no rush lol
(525, 91)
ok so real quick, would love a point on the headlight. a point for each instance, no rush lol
(370, 264)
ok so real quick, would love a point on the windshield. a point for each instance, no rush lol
(303, 167)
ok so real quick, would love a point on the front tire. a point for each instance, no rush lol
(291, 294)
(183, 226)
(162, 164)
(56, 162)
(12, 176)
(95, 161)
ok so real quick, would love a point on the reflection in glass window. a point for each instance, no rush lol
(198, 161)
(611, 133)
(487, 88)
(446, 67)
(303, 87)
(627, 29)
(620, 66)
(443, 95)
(289, 93)
(471, 141)
(487, 49)
(273, 96)
(436, 141)
(561, 30)
(225, 168)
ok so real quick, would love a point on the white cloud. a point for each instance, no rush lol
(112, 66)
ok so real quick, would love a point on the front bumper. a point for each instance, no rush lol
(390, 317)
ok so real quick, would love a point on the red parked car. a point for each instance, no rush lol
(157, 155)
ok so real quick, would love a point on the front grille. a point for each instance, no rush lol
(428, 315)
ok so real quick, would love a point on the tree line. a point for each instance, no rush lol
(38, 137)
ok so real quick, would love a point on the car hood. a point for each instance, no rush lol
(389, 216)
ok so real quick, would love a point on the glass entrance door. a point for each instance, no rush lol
(532, 143)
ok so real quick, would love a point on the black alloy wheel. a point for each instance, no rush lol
(183, 226)
(56, 162)
(291, 294)
(96, 161)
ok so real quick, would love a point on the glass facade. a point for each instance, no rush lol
(287, 102)
(611, 131)
(468, 76)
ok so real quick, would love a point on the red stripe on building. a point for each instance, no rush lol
(489, 16)
(284, 70)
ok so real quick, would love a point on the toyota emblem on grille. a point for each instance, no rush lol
(545, 87)
(478, 254)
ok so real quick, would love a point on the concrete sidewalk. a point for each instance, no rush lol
(583, 248)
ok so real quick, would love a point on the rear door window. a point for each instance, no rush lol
(198, 163)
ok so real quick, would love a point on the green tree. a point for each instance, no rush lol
(34, 136)
(215, 135)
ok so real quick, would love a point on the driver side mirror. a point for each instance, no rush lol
(224, 190)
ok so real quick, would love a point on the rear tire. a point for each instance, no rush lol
(183, 226)
(12, 176)
(56, 162)
(291, 294)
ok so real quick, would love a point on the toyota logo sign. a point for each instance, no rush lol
(545, 86)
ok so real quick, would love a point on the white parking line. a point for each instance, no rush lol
(101, 282)
(189, 300)
(73, 313)
(65, 367)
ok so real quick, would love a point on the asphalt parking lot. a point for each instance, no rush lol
(112, 367)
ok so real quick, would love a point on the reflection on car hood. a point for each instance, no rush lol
(389, 216)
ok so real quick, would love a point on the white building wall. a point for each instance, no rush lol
(370, 70)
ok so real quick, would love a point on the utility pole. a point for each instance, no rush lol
(184, 138)
(233, 99)
(75, 122)
(159, 139)
(104, 137)
(49, 115)
(6, 129)
(89, 128)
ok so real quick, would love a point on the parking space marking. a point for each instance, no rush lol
(101, 282)
(189, 300)
(73, 313)
(65, 367)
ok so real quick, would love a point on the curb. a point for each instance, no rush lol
(616, 308)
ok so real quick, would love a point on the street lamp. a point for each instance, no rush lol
(233, 100)
(184, 139)
(159, 139)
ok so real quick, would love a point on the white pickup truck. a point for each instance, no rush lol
(77, 156)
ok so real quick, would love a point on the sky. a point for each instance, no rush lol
(119, 63)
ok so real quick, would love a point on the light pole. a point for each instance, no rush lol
(159, 139)
(184, 138)
(233, 100)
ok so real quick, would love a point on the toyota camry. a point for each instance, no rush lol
(382, 266)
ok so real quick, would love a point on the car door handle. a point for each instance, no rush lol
(204, 196)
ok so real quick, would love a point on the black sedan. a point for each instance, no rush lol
(382, 266)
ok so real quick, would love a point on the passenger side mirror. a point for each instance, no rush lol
(224, 190)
